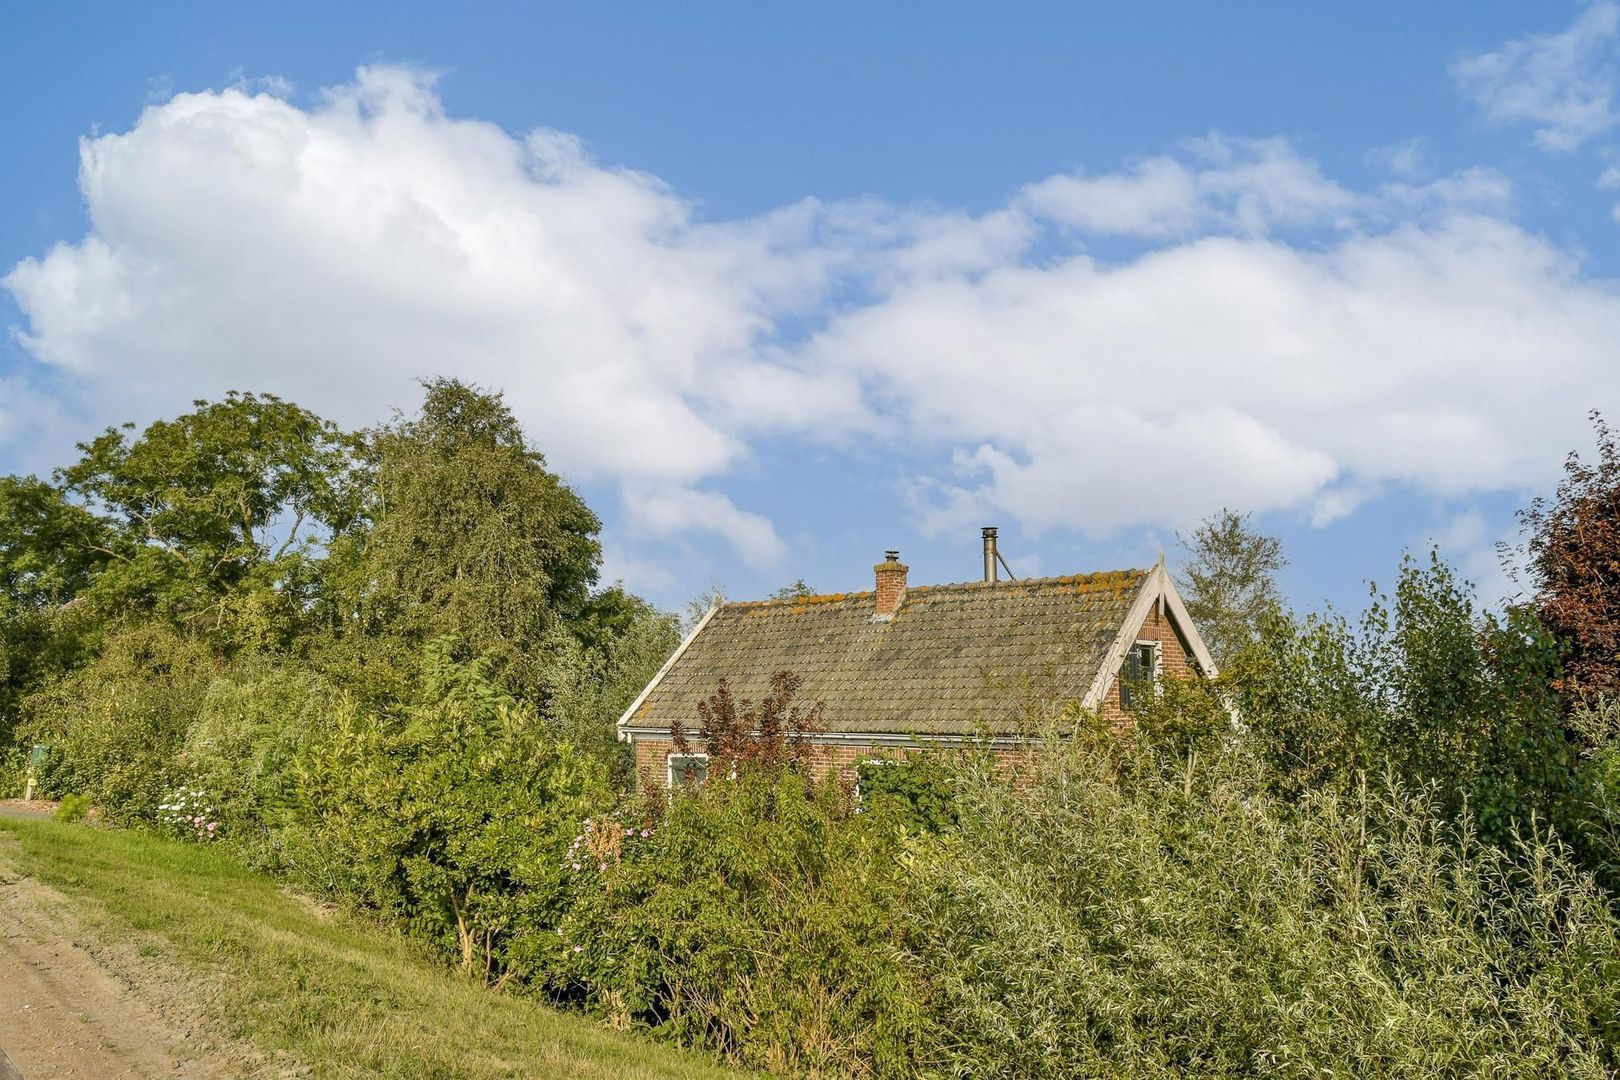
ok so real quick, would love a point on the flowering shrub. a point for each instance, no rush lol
(190, 815)
(601, 842)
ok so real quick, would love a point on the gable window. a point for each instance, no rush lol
(1138, 673)
(687, 770)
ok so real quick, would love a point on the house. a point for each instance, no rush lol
(905, 664)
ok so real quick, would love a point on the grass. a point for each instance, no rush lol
(342, 997)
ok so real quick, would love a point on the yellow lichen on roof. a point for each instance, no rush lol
(940, 663)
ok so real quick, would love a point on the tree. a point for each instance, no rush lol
(468, 535)
(50, 547)
(796, 591)
(1572, 556)
(213, 518)
(773, 734)
(1426, 691)
(1229, 583)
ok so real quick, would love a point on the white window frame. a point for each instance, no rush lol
(1156, 649)
(669, 767)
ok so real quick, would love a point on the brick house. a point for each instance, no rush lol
(908, 665)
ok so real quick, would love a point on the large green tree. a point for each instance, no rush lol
(214, 519)
(468, 535)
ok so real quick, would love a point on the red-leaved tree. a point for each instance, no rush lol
(1572, 555)
(774, 733)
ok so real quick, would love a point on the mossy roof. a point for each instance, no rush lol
(982, 656)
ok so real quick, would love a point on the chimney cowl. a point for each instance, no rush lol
(891, 584)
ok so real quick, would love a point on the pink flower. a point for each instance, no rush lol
(646, 833)
(604, 866)
(576, 866)
(579, 948)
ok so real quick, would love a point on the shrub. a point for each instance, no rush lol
(451, 818)
(755, 917)
(1176, 918)
(115, 727)
(73, 808)
(1426, 690)
(916, 791)
(252, 723)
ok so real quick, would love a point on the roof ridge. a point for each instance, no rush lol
(1088, 578)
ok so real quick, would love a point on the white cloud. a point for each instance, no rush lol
(1242, 185)
(1268, 338)
(1407, 159)
(1468, 542)
(1243, 371)
(1562, 83)
(336, 253)
(668, 510)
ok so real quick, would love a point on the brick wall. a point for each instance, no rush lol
(1174, 663)
(651, 755)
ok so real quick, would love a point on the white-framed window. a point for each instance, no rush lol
(1139, 672)
(686, 770)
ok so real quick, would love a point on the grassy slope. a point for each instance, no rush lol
(342, 997)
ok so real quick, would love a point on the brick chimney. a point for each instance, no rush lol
(891, 584)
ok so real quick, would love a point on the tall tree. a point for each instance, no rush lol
(1572, 556)
(1229, 582)
(50, 547)
(215, 516)
(469, 535)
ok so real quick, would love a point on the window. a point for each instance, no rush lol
(1139, 671)
(688, 770)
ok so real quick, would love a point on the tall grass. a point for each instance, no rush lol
(1146, 916)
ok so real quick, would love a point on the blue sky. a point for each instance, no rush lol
(779, 290)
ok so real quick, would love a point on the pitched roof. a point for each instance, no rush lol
(954, 659)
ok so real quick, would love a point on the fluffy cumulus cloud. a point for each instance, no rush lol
(1221, 325)
(1563, 84)
(335, 253)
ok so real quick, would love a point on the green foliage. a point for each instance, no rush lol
(116, 726)
(757, 918)
(211, 515)
(1229, 583)
(50, 547)
(1177, 919)
(73, 808)
(916, 790)
(451, 818)
(587, 687)
(252, 724)
(796, 591)
(38, 645)
(1431, 690)
(468, 535)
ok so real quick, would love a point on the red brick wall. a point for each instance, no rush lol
(651, 755)
(1173, 660)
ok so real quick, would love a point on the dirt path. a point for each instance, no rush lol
(63, 1012)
